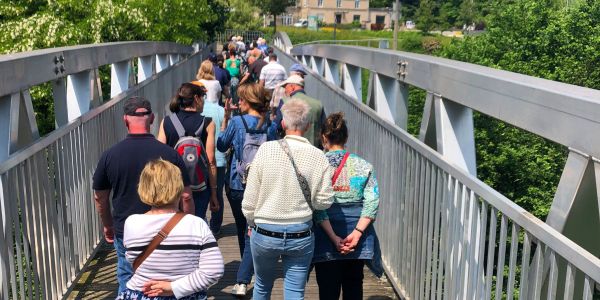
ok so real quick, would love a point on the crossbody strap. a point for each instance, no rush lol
(301, 179)
(338, 171)
(160, 236)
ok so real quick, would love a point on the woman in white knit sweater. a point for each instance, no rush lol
(281, 209)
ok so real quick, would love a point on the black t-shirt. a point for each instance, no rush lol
(120, 168)
(191, 121)
(255, 69)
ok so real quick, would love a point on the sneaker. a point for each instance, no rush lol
(239, 289)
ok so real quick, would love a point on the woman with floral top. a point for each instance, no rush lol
(345, 239)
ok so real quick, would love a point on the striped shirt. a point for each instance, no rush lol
(273, 73)
(189, 257)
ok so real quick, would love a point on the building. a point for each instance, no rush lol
(342, 12)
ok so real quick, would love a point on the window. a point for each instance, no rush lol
(356, 3)
(338, 3)
(356, 18)
(320, 3)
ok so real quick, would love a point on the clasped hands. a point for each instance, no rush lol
(348, 244)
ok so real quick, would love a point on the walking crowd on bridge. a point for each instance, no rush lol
(246, 128)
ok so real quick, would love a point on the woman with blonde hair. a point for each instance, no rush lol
(252, 126)
(206, 75)
(187, 261)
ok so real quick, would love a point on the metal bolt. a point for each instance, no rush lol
(62, 69)
(55, 60)
(56, 70)
(61, 58)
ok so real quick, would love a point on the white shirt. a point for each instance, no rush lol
(273, 194)
(273, 73)
(213, 90)
(188, 257)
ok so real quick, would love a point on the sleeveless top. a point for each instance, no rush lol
(191, 121)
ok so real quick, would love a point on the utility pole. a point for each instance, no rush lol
(396, 17)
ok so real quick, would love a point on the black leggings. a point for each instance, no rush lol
(336, 275)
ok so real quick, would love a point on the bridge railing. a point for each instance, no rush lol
(48, 224)
(444, 233)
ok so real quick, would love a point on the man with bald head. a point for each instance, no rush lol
(119, 171)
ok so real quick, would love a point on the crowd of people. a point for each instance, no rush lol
(246, 128)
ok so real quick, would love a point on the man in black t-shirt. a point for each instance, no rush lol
(119, 170)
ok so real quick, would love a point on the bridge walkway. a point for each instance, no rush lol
(98, 279)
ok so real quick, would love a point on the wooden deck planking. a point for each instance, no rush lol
(99, 277)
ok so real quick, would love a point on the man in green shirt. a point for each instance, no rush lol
(294, 89)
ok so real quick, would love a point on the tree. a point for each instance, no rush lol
(273, 7)
(242, 16)
(425, 15)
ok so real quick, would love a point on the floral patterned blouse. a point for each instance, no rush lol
(355, 184)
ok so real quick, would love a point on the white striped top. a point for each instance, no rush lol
(189, 257)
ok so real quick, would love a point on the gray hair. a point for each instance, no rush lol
(295, 114)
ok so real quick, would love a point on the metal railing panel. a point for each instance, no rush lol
(560, 112)
(49, 227)
(473, 220)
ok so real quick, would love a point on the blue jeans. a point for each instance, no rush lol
(216, 218)
(201, 200)
(138, 295)
(124, 268)
(296, 255)
(246, 269)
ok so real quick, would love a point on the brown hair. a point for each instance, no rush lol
(185, 96)
(254, 95)
(160, 183)
(206, 71)
(335, 129)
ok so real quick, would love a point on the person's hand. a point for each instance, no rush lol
(350, 242)
(214, 203)
(155, 288)
(338, 243)
(228, 109)
(109, 235)
(249, 231)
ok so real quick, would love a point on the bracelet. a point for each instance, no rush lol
(356, 228)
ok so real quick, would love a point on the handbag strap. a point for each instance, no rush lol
(301, 179)
(338, 171)
(160, 236)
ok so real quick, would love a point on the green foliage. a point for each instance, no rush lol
(539, 39)
(425, 16)
(273, 7)
(242, 16)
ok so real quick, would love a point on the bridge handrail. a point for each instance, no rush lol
(456, 246)
(282, 41)
(49, 228)
(580, 257)
(341, 42)
(23, 70)
(564, 113)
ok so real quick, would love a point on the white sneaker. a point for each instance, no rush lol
(239, 289)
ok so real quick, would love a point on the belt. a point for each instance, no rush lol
(284, 235)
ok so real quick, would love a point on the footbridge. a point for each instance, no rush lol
(444, 234)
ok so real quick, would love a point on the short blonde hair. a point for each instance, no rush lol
(295, 114)
(206, 71)
(160, 184)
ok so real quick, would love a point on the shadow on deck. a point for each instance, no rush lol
(98, 280)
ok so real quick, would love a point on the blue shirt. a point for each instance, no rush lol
(221, 75)
(216, 113)
(235, 135)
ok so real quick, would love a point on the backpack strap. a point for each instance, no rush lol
(177, 124)
(304, 186)
(248, 130)
(158, 238)
(199, 131)
(339, 168)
